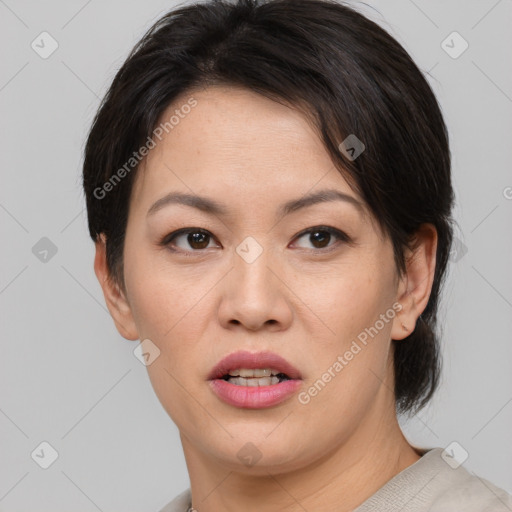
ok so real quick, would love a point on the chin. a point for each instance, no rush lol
(255, 453)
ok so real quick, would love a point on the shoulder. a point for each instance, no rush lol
(472, 493)
(180, 503)
(437, 483)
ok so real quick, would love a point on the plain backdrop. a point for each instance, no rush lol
(67, 377)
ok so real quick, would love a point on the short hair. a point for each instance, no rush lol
(347, 75)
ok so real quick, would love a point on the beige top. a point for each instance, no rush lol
(430, 484)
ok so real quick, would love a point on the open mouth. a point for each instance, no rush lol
(254, 380)
(255, 377)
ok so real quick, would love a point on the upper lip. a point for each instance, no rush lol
(253, 360)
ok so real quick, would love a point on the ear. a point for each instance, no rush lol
(415, 285)
(114, 297)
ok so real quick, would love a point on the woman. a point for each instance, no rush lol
(268, 188)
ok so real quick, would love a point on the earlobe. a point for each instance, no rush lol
(115, 299)
(415, 285)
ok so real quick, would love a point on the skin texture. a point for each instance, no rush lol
(302, 301)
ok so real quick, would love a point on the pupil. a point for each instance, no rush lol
(198, 238)
(320, 236)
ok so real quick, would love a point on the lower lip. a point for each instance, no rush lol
(257, 397)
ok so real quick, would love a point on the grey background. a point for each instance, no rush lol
(69, 379)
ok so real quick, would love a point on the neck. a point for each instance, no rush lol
(340, 480)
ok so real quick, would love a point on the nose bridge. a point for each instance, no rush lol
(251, 261)
(254, 296)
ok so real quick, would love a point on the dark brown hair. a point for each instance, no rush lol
(351, 76)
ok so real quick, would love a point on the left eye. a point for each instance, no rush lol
(320, 236)
(195, 238)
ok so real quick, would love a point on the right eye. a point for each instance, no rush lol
(185, 239)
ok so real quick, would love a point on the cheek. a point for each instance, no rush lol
(172, 307)
(351, 360)
(347, 299)
(168, 310)
(163, 299)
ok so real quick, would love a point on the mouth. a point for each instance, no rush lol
(247, 368)
(255, 377)
(254, 380)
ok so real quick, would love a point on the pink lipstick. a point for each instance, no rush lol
(254, 380)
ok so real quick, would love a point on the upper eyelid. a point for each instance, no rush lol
(185, 231)
(341, 235)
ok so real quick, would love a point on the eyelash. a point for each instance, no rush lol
(340, 235)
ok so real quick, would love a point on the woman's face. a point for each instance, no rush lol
(257, 277)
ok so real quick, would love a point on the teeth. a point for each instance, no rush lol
(257, 372)
(253, 382)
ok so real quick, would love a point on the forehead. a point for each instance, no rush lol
(237, 144)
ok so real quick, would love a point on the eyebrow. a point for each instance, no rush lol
(215, 208)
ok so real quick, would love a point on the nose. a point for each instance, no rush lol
(255, 296)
